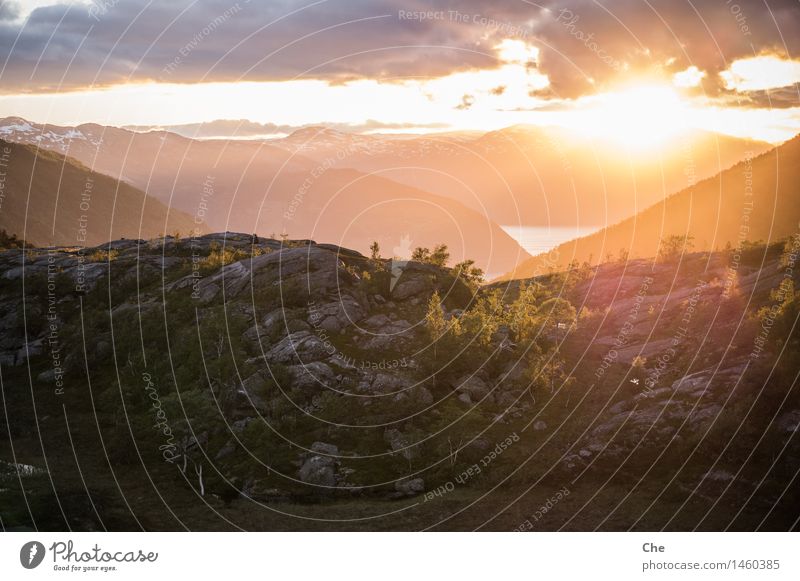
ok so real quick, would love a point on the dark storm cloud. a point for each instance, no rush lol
(218, 40)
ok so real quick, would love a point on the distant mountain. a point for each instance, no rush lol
(756, 200)
(220, 129)
(530, 175)
(246, 129)
(254, 186)
(350, 208)
(49, 199)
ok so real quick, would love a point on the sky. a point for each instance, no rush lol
(639, 70)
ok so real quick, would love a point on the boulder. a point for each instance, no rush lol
(383, 383)
(311, 376)
(336, 316)
(247, 400)
(400, 442)
(472, 385)
(410, 487)
(320, 467)
(300, 347)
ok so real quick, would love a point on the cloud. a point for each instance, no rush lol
(9, 11)
(517, 52)
(761, 73)
(579, 39)
(182, 41)
(71, 47)
(688, 78)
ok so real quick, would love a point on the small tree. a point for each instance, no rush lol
(674, 245)
(521, 313)
(556, 314)
(437, 327)
(434, 318)
(440, 255)
(469, 273)
(421, 254)
(375, 251)
(545, 370)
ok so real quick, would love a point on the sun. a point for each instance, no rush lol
(637, 117)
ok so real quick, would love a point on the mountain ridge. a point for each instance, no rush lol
(52, 199)
(771, 176)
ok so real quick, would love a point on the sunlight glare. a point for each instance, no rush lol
(636, 117)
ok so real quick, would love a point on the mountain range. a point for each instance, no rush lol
(530, 175)
(405, 191)
(254, 186)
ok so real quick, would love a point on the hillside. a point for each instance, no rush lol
(263, 385)
(756, 200)
(50, 199)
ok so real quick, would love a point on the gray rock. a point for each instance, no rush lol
(718, 476)
(239, 426)
(300, 347)
(248, 399)
(383, 383)
(506, 399)
(376, 321)
(227, 450)
(409, 287)
(391, 335)
(706, 414)
(323, 448)
(319, 468)
(472, 385)
(411, 487)
(621, 407)
(47, 376)
(513, 373)
(422, 395)
(400, 442)
(102, 349)
(336, 316)
(789, 422)
(311, 376)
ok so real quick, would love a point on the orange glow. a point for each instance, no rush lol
(635, 117)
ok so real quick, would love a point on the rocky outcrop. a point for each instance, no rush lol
(320, 466)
